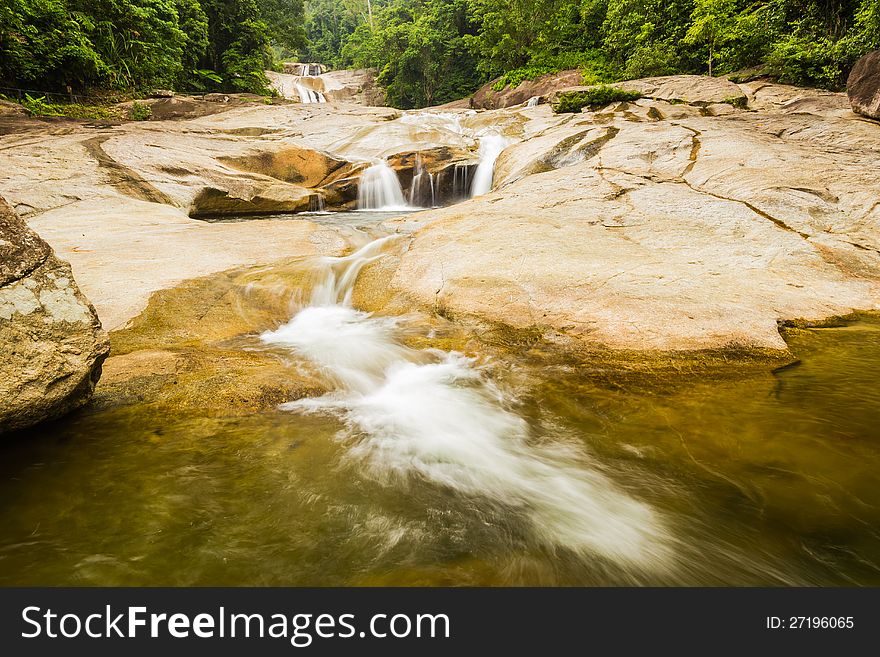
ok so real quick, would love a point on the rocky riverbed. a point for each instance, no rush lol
(623, 302)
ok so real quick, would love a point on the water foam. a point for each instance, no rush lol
(435, 417)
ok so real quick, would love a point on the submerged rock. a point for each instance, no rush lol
(863, 86)
(51, 338)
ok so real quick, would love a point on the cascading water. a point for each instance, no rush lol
(427, 417)
(491, 146)
(422, 192)
(379, 189)
(461, 182)
(534, 101)
(307, 95)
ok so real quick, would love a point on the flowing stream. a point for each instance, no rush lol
(432, 416)
(403, 461)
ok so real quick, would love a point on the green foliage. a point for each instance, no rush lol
(284, 20)
(140, 112)
(574, 101)
(39, 106)
(139, 44)
(421, 50)
(426, 51)
(740, 102)
(712, 23)
(594, 68)
(516, 77)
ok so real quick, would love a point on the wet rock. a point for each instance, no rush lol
(51, 339)
(863, 86)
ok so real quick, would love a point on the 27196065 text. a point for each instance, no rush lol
(810, 623)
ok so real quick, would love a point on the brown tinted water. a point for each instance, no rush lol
(770, 478)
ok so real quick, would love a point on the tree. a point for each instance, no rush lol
(712, 25)
(284, 19)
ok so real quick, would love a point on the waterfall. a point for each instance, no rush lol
(460, 187)
(307, 95)
(379, 189)
(534, 101)
(422, 192)
(415, 417)
(491, 146)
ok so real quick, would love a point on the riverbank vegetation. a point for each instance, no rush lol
(427, 51)
(134, 45)
(434, 51)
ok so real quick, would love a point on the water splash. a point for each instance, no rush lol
(379, 189)
(434, 417)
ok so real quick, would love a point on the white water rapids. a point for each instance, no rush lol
(435, 417)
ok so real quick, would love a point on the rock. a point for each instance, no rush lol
(720, 109)
(302, 166)
(630, 231)
(692, 89)
(273, 199)
(863, 86)
(648, 227)
(161, 93)
(52, 341)
(487, 98)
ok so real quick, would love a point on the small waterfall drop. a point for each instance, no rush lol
(461, 182)
(491, 145)
(432, 418)
(422, 193)
(534, 101)
(317, 204)
(379, 189)
(307, 95)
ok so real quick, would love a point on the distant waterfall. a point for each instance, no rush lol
(307, 95)
(379, 189)
(306, 70)
(491, 146)
(422, 193)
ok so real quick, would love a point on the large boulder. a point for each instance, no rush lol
(487, 98)
(863, 86)
(51, 338)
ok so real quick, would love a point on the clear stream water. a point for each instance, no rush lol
(430, 467)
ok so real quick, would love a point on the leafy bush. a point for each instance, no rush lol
(517, 76)
(39, 106)
(140, 112)
(574, 101)
(810, 61)
(592, 63)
